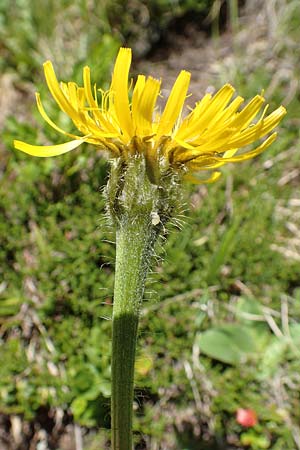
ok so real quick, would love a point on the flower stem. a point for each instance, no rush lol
(134, 246)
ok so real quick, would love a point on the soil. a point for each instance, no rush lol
(193, 51)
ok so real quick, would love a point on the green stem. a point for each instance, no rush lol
(134, 246)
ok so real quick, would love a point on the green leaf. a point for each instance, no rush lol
(229, 343)
(10, 306)
(222, 254)
(273, 356)
(254, 440)
(78, 407)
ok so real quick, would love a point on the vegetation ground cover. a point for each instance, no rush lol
(231, 272)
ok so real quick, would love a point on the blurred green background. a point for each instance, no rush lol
(220, 326)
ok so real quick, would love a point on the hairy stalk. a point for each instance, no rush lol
(141, 199)
(134, 251)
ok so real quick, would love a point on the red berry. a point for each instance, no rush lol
(246, 417)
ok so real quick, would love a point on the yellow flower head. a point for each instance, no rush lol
(207, 138)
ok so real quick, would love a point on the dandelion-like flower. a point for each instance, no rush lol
(125, 121)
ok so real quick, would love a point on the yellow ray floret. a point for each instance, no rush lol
(125, 122)
(47, 150)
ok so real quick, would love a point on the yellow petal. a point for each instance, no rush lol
(119, 87)
(143, 111)
(258, 130)
(221, 125)
(192, 179)
(48, 120)
(245, 117)
(44, 151)
(230, 153)
(174, 104)
(216, 106)
(73, 97)
(190, 121)
(205, 117)
(57, 92)
(219, 112)
(81, 97)
(136, 98)
(93, 103)
(251, 154)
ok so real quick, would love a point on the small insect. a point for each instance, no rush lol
(155, 219)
